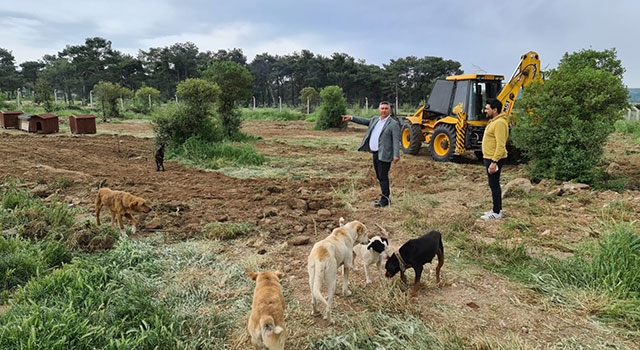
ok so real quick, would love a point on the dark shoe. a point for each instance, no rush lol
(379, 204)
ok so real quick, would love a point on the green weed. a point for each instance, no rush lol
(207, 155)
(226, 230)
(271, 114)
(380, 330)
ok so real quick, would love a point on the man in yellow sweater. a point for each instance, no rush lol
(494, 152)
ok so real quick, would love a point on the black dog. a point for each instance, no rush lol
(159, 154)
(415, 253)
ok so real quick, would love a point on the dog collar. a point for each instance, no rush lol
(401, 261)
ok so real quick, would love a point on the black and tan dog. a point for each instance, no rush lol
(415, 253)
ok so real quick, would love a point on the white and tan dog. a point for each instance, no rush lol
(375, 252)
(326, 256)
(266, 322)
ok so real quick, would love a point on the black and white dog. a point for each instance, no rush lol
(375, 252)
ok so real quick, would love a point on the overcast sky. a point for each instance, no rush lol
(484, 36)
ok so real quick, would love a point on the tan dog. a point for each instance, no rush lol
(325, 258)
(266, 323)
(120, 203)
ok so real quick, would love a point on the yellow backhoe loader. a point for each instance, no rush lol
(453, 120)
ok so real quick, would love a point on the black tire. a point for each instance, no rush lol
(443, 143)
(411, 138)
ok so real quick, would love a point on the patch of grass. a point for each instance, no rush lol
(628, 127)
(62, 182)
(517, 225)
(31, 217)
(618, 211)
(380, 330)
(111, 301)
(608, 270)
(271, 114)
(20, 260)
(226, 230)
(207, 155)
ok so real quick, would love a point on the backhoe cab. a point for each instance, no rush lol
(453, 120)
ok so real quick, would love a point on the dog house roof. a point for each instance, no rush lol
(84, 116)
(47, 115)
(25, 116)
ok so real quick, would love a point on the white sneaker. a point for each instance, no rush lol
(492, 216)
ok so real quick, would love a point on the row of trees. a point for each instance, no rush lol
(276, 79)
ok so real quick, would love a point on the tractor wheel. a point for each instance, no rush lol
(443, 143)
(411, 138)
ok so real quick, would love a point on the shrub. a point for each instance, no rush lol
(562, 125)
(311, 96)
(108, 95)
(333, 106)
(145, 97)
(235, 83)
(176, 124)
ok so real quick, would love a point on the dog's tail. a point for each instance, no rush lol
(271, 333)
(440, 254)
(98, 207)
(316, 275)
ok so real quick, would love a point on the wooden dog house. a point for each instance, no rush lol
(45, 123)
(82, 124)
(9, 119)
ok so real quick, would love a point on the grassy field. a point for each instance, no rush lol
(66, 283)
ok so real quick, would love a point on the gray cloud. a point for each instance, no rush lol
(482, 36)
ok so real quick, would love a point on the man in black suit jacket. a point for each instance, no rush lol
(383, 140)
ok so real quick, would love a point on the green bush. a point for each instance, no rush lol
(562, 124)
(192, 117)
(145, 97)
(333, 106)
(108, 95)
(175, 125)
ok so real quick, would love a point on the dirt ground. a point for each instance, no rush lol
(305, 177)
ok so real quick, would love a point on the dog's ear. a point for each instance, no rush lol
(279, 274)
(377, 246)
(362, 229)
(252, 275)
(385, 240)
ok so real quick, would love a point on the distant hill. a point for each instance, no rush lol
(634, 95)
